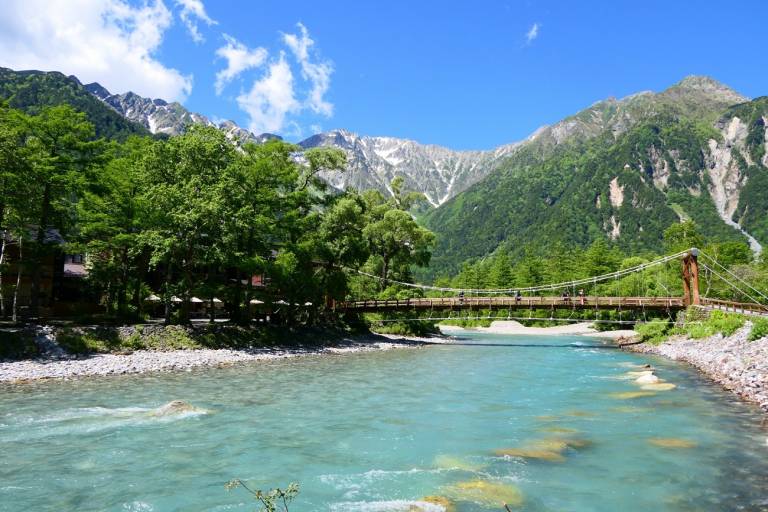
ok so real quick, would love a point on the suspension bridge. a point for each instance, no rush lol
(571, 295)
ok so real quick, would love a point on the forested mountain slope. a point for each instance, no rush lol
(30, 91)
(621, 171)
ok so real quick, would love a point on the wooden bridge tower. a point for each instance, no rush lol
(691, 278)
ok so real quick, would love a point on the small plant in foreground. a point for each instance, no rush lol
(270, 500)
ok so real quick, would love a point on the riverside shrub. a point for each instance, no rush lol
(653, 332)
(718, 322)
(759, 329)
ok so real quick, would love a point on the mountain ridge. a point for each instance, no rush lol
(169, 118)
(681, 153)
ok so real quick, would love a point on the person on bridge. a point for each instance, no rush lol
(566, 296)
(461, 297)
(581, 296)
(518, 296)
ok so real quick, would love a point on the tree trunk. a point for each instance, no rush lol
(35, 289)
(141, 272)
(385, 273)
(167, 292)
(15, 307)
(2, 261)
(122, 290)
(237, 313)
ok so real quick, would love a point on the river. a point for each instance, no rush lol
(379, 431)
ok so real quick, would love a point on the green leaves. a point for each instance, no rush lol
(271, 500)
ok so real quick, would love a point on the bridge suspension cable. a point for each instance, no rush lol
(710, 258)
(547, 287)
(732, 285)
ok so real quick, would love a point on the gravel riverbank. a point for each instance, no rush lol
(739, 365)
(63, 366)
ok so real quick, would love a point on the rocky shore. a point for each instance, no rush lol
(59, 365)
(739, 365)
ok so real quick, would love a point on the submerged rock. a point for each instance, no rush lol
(579, 414)
(559, 430)
(544, 449)
(176, 407)
(451, 462)
(486, 493)
(532, 453)
(629, 395)
(672, 442)
(659, 386)
(631, 410)
(441, 501)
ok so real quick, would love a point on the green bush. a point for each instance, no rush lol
(653, 332)
(16, 344)
(759, 329)
(698, 330)
(76, 341)
(718, 322)
(725, 323)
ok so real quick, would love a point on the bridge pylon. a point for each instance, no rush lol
(691, 296)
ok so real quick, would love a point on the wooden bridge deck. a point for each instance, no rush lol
(589, 302)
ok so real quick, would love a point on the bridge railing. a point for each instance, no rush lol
(736, 307)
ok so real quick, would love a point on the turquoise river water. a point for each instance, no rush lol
(379, 431)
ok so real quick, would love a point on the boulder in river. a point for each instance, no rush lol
(647, 378)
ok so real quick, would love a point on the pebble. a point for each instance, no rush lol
(143, 361)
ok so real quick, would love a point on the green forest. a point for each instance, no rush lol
(190, 216)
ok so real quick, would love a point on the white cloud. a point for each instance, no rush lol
(191, 11)
(270, 99)
(532, 33)
(108, 41)
(317, 73)
(276, 98)
(239, 58)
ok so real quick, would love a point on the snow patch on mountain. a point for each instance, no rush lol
(437, 172)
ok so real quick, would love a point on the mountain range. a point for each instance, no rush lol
(621, 169)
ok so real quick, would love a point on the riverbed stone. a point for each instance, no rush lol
(486, 493)
(672, 442)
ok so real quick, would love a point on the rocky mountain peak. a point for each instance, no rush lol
(704, 86)
(159, 116)
(97, 90)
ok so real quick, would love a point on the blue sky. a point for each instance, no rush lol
(464, 75)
